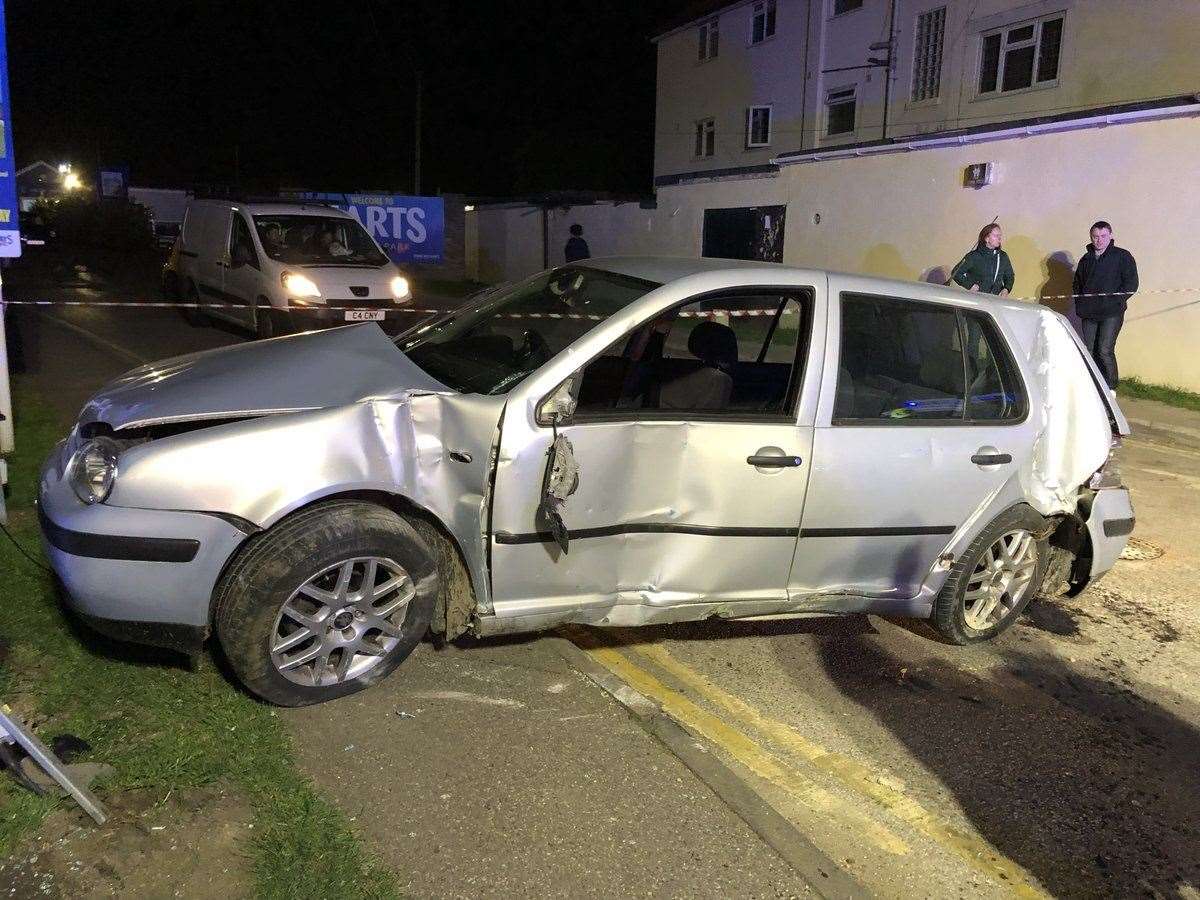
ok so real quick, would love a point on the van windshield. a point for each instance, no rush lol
(307, 240)
(492, 344)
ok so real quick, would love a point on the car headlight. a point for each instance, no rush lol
(300, 286)
(93, 469)
(400, 288)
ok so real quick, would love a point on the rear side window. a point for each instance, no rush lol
(995, 389)
(904, 362)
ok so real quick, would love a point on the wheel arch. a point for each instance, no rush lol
(458, 594)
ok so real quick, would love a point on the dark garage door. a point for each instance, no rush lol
(746, 232)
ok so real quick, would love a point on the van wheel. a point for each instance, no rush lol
(994, 580)
(264, 322)
(327, 603)
(192, 314)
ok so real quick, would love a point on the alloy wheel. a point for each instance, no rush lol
(341, 622)
(1000, 580)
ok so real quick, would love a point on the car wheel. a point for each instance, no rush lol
(327, 603)
(192, 313)
(994, 580)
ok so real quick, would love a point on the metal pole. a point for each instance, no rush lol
(891, 57)
(417, 141)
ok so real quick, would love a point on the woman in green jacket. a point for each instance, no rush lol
(986, 268)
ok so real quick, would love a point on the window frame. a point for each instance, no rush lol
(914, 100)
(804, 295)
(706, 138)
(1035, 42)
(768, 11)
(852, 90)
(751, 144)
(1004, 359)
(249, 229)
(833, 8)
(709, 40)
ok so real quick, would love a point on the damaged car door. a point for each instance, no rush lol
(929, 432)
(670, 470)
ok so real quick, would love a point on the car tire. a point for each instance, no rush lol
(297, 573)
(192, 314)
(993, 581)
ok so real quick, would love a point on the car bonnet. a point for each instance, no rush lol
(305, 371)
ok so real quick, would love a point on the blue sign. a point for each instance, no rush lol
(10, 236)
(409, 229)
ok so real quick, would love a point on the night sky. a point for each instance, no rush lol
(258, 94)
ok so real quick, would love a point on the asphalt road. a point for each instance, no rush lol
(1060, 759)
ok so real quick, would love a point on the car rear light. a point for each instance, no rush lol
(1109, 474)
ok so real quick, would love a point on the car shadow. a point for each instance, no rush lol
(1081, 780)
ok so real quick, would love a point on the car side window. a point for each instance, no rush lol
(995, 391)
(905, 361)
(739, 355)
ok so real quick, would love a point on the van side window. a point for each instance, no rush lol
(241, 242)
(905, 362)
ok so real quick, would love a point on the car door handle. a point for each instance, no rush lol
(989, 457)
(773, 462)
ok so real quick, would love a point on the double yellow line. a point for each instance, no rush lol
(737, 742)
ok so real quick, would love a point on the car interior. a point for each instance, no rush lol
(904, 360)
(734, 354)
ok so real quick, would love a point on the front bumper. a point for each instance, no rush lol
(151, 572)
(1109, 525)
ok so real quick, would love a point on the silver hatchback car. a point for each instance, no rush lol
(618, 442)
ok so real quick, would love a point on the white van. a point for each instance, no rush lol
(280, 267)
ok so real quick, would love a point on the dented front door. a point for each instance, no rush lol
(663, 513)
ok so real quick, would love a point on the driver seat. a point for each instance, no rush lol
(710, 386)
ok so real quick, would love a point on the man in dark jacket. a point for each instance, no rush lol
(1104, 281)
(576, 248)
(987, 268)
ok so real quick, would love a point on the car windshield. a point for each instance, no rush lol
(307, 240)
(489, 346)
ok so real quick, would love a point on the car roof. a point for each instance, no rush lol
(666, 269)
(279, 208)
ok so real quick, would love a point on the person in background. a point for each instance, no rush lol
(576, 248)
(1105, 279)
(987, 267)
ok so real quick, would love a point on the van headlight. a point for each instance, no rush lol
(300, 286)
(93, 469)
(400, 288)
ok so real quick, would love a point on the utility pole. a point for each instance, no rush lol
(886, 64)
(417, 141)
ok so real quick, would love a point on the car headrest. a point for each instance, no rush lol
(714, 344)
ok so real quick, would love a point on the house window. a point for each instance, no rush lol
(709, 40)
(1020, 56)
(763, 22)
(758, 126)
(927, 57)
(845, 6)
(839, 111)
(706, 137)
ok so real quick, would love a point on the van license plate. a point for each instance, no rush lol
(364, 315)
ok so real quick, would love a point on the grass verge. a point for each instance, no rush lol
(1135, 387)
(162, 727)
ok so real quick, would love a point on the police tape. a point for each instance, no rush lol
(430, 311)
(409, 310)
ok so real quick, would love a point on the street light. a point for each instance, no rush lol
(64, 168)
(71, 182)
